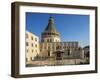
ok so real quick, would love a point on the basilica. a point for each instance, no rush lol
(51, 46)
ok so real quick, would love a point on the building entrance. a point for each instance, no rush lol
(59, 55)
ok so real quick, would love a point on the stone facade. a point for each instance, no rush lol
(51, 46)
(70, 50)
(32, 46)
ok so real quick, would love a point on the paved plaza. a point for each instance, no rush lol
(57, 62)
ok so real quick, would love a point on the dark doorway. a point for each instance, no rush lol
(68, 52)
(59, 55)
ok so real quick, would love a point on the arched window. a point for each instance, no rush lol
(48, 53)
(50, 40)
(68, 52)
(47, 40)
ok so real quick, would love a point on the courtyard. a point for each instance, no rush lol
(50, 62)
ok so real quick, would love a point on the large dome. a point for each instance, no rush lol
(50, 34)
(51, 27)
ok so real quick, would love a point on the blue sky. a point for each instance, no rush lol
(71, 27)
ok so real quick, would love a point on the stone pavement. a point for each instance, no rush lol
(56, 62)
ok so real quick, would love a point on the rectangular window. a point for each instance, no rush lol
(31, 38)
(31, 58)
(26, 59)
(27, 44)
(35, 39)
(40, 50)
(26, 35)
(50, 40)
(47, 40)
(36, 45)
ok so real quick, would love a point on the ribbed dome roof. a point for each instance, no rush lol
(50, 27)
